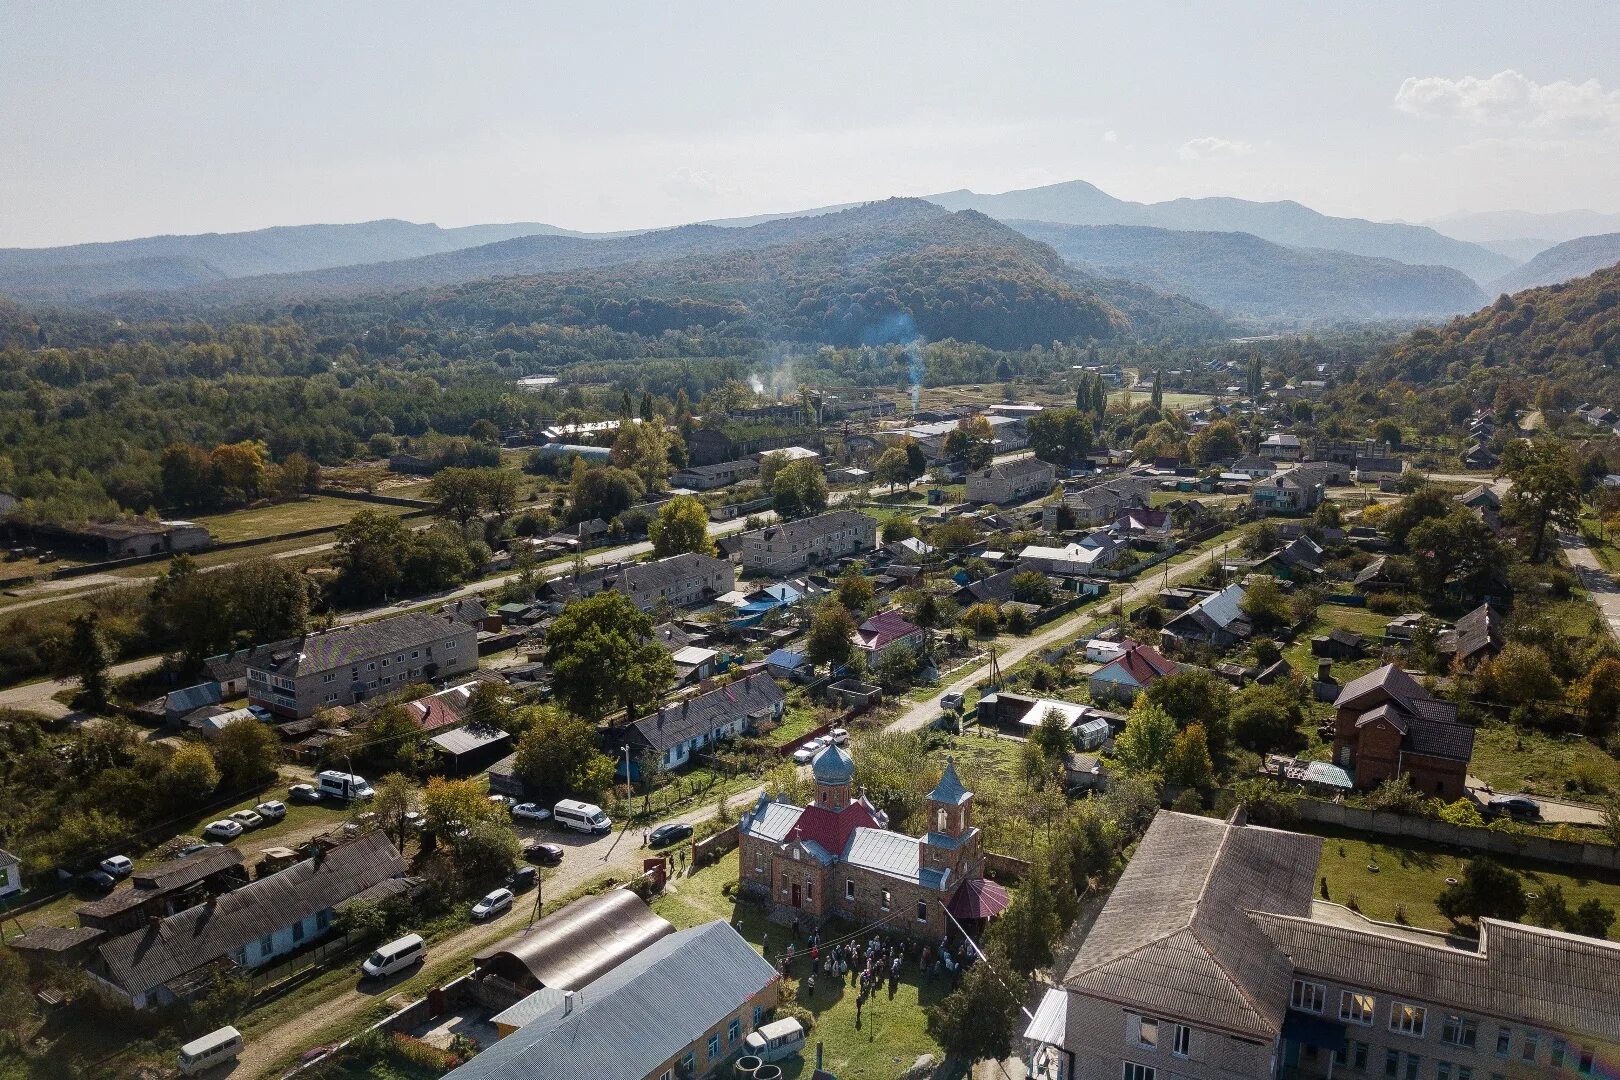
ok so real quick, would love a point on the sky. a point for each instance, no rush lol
(121, 120)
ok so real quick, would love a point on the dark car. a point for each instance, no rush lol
(544, 854)
(665, 835)
(523, 879)
(1516, 807)
(98, 881)
(304, 793)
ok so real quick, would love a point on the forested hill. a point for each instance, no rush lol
(845, 279)
(1245, 276)
(1564, 261)
(1568, 332)
(81, 271)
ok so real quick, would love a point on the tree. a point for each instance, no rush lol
(855, 591)
(1188, 763)
(457, 494)
(1032, 587)
(1487, 890)
(1030, 925)
(982, 619)
(558, 755)
(1051, 736)
(1428, 501)
(972, 442)
(899, 527)
(770, 465)
(1598, 695)
(832, 631)
(370, 555)
(87, 657)
(394, 801)
(187, 475)
(898, 666)
(1266, 718)
(1592, 919)
(1217, 442)
(799, 490)
(954, 535)
(1264, 603)
(1145, 743)
(892, 467)
(1545, 492)
(1458, 547)
(190, 775)
(682, 525)
(1462, 811)
(1060, 436)
(449, 805)
(643, 449)
(601, 492)
(247, 753)
(1520, 675)
(241, 467)
(1156, 395)
(916, 459)
(1196, 695)
(601, 650)
(979, 1019)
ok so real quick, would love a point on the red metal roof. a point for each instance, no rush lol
(979, 899)
(1143, 663)
(432, 713)
(832, 828)
(883, 628)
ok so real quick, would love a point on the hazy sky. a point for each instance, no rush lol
(126, 119)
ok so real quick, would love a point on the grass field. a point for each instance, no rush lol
(315, 512)
(1410, 875)
(890, 1034)
(1517, 759)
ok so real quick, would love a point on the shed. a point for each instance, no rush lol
(572, 947)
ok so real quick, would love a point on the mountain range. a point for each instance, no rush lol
(1571, 259)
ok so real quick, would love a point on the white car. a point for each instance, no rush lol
(274, 810)
(529, 811)
(503, 801)
(223, 829)
(117, 866)
(492, 904)
(803, 754)
(839, 735)
(248, 819)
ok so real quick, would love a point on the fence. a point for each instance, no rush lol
(1002, 867)
(1433, 830)
(373, 497)
(711, 848)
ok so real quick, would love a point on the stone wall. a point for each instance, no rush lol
(1433, 830)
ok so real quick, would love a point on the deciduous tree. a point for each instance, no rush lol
(601, 651)
(682, 525)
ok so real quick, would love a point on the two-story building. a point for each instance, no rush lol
(1385, 725)
(680, 580)
(347, 664)
(794, 545)
(1099, 504)
(1212, 960)
(1298, 490)
(1013, 481)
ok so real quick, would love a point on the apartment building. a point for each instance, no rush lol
(794, 545)
(1011, 481)
(681, 580)
(351, 663)
(1213, 961)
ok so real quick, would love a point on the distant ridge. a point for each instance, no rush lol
(1563, 262)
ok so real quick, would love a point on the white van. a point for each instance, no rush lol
(342, 786)
(203, 1054)
(775, 1040)
(581, 816)
(394, 956)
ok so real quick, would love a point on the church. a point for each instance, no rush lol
(838, 856)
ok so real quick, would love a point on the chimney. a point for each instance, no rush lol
(1324, 671)
(153, 922)
(568, 1002)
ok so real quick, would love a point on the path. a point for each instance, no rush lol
(1594, 579)
(1553, 811)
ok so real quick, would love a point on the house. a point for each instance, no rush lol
(681, 580)
(1298, 490)
(171, 959)
(1092, 552)
(165, 889)
(1478, 635)
(838, 857)
(1480, 456)
(1138, 523)
(678, 730)
(786, 663)
(1212, 960)
(995, 589)
(474, 612)
(1386, 725)
(1128, 674)
(1216, 620)
(1338, 644)
(229, 670)
(1088, 727)
(10, 874)
(1375, 577)
(1298, 560)
(1013, 481)
(1099, 504)
(179, 704)
(1084, 772)
(679, 1006)
(1480, 497)
(885, 631)
(1281, 447)
(210, 722)
(1599, 416)
(347, 664)
(1253, 466)
(1377, 468)
(720, 474)
(465, 750)
(794, 545)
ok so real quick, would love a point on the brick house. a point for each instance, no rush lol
(1010, 481)
(1386, 725)
(837, 856)
(794, 545)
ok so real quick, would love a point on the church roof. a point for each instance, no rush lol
(950, 790)
(832, 765)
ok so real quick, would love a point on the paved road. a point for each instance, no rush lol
(1553, 811)
(1594, 579)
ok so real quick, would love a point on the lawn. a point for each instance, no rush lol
(1509, 758)
(315, 512)
(891, 1032)
(1410, 875)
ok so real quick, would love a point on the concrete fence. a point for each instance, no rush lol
(373, 497)
(712, 848)
(1433, 830)
(1002, 867)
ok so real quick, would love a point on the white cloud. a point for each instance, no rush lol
(1110, 136)
(1509, 98)
(1211, 147)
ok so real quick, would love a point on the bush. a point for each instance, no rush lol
(797, 1012)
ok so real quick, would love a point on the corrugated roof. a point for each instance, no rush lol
(466, 740)
(161, 881)
(797, 532)
(678, 723)
(345, 645)
(885, 853)
(636, 1017)
(1051, 1019)
(579, 944)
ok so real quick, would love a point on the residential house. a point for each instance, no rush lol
(1599, 415)
(1153, 526)
(1083, 772)
(884, 631)
(1087, 726)
(1338, 644)
(1212, 960)
(678, 730)
(348, 664)
(474, 612)
(681, 1006)
(1386, 725)
(995, 589)
(794, 545)
(179, 704)
(1129, 673)
(229, 670)
(1217, 620)
(1253, 466)
(1298, 560)
(1099, 504)
(1378, 468)
(464, 750)
(720, 474)
(1477, 636)
(165, 889)
(170, 959)
(1299, 490)
(1280, 446)
(837, 857)
(10, 874)
(1013, 481)
(787, 663)
(681, 580)
(1375, 577)
(1092, 552)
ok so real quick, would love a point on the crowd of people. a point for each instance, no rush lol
(868, 963)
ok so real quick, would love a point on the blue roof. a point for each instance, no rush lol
(635, 1018)
(832, 765)
(950, 790)
(785, 658)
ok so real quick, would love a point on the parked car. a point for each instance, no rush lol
(304, 793)
(395, 956)
(803, 754)
(665, 835)
(414, 819)
(98, 881)
(529, 811)
(272, 810)
(260, 713)
(505, 802)
(1516, 807)
(117, 866)
(544, 854)
(777, 1040)
(839, 736)
(223, 829)
(493, 903)
(248, 819)
(522, 879)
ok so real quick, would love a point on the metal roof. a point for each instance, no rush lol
(832, 765)
(467, 739)
(577, 945)
(345, 645)
(633, 1019)
(677, 723)
(950, 789)
(1051, 1019)
(771, 821)
(885, 852)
